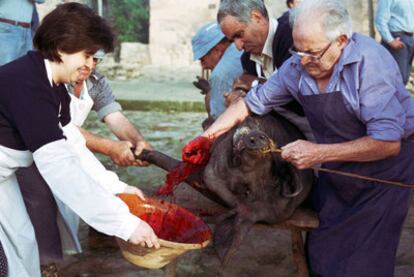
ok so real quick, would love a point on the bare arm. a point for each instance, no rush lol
(119, 151)
(305, 154)
(122, 127)
(126, 131)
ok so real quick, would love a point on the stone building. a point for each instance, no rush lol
(173, 23)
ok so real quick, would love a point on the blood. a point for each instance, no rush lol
(197, 151)
(169, 222)
(195, 155)
(176, 176)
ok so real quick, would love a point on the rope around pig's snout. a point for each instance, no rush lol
(273, 148)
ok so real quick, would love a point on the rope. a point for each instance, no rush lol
(275, 149)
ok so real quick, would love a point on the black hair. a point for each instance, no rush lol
(71, 28)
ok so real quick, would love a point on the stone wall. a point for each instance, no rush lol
(172, 25)
(133, 57)
(357, 8)
(49, 5)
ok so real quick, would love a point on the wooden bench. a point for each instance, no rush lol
(302, 220)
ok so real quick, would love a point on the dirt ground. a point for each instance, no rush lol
(264, 252)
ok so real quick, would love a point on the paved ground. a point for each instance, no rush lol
(160, 84)
(265, 252)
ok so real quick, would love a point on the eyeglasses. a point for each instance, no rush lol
(316, 57)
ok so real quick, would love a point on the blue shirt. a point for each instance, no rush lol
(222, 77)
(370, 83)
(394, 16)
(18, 10)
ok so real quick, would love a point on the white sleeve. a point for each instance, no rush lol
(60, 166)
(107, 179)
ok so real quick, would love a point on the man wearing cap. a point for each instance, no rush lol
(215, 52)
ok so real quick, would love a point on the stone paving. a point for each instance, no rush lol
(264, 252)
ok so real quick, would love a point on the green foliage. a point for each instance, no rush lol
(130, 19)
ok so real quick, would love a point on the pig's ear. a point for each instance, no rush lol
(230, 231)
(235, 154)
(287, 177)
(292, 187)
(235, 159)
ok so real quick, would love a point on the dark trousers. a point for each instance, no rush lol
(3, 262)
(42, 209)
(404, 56)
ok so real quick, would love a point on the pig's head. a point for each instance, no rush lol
(250, 147)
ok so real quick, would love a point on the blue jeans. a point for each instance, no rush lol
(404, 56)
(15, 41)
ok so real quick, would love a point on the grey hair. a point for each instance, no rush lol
(240, 9)
(335, 18)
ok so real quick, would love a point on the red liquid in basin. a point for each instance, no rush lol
(170, 222)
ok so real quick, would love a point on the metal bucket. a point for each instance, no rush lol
(178, 229)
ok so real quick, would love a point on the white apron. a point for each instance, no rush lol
(79, 110)
(68, 221)
(16, 231)
(80, 107)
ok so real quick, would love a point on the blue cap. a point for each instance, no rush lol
(100, 54)
(205, 39)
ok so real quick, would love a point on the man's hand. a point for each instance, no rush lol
(202, 84)
(233, 96)
(134, 190)
(144, 235)
(244, 82)
(396, 43)
(121, 153)
(141, 145)
(197, 151)
(302, 154)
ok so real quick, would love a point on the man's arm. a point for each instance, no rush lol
(381, 22)
(240, 87)
(235, 114)
(109, 111)
(304, 154)
(119, 151)
(126, 131)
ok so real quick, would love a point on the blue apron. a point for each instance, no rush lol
(360, 221)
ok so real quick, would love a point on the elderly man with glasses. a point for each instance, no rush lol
(362, 117)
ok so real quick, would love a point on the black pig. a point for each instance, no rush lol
(244, 175)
